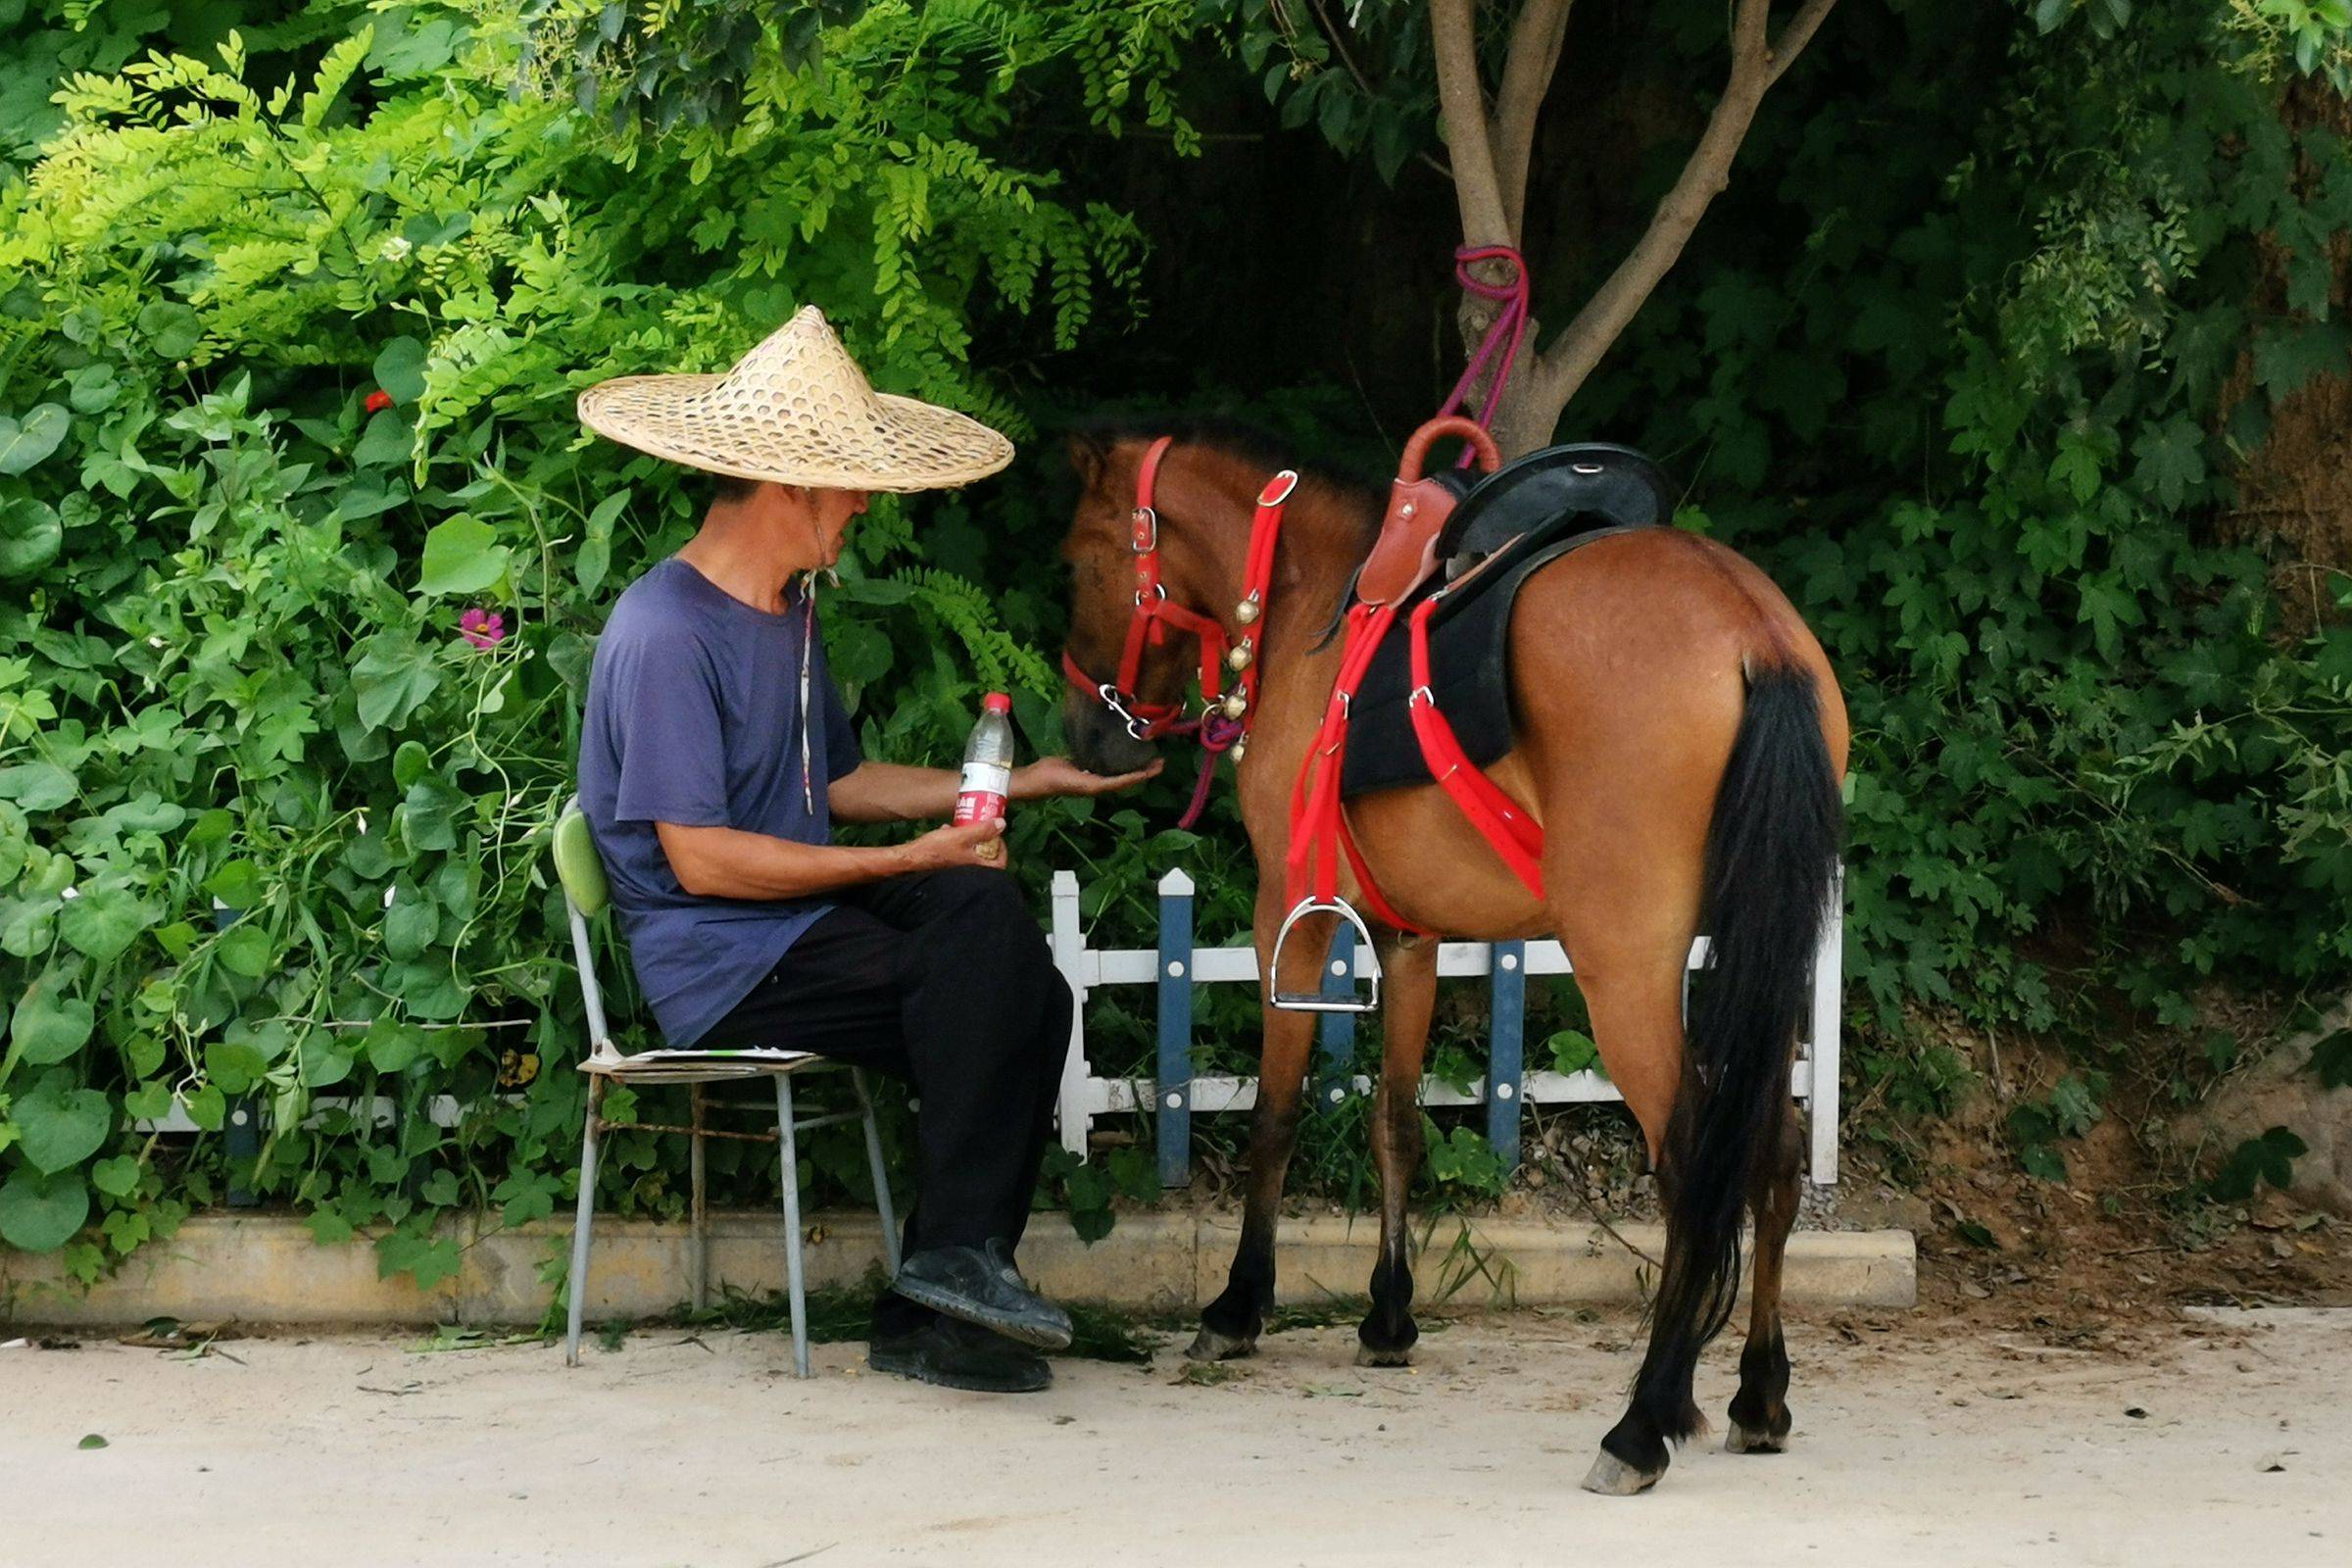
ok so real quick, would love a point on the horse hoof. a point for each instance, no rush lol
(1612, 1477)
(1749, 1440)
(1210, 1345)
(1365, 1355)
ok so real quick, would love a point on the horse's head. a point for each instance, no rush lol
(1101, 551)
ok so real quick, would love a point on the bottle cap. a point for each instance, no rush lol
(996, 702)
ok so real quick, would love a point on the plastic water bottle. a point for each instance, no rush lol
(987, 762)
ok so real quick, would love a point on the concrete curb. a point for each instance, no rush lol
(267, 1269)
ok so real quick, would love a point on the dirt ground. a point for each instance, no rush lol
(2216, 1437)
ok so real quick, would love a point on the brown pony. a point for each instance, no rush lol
(1681, 739)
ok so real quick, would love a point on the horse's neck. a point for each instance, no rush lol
(1323, 543)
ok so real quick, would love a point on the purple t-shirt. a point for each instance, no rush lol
(694, 719)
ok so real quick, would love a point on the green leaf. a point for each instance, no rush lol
(429, 1259)
(1572, 1050)
(246, 949)
(173, 329)
(411, 921)
(2041, 1159)
(41, 1213)
(38, 786)
(391, 1045)
(386, 441)
(118, 1177)
(25, 441)
(461, 556)
(400, 369)
(46, 1027)
(410, 762)
(59, 1128)
(103, 923)
(322, 1060)
(31, 536)
(392, 678)
(2332, 1059)
(237, 884)
(2289, 355)
(2171, 458)
(429, 812)
(91, 1440)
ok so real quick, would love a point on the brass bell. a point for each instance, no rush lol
(1241, 656)
(1246, 613)
(1234, 706)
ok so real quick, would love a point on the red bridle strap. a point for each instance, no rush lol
(1155, 614)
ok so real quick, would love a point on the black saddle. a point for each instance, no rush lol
(1614, 483)
(1526, 515)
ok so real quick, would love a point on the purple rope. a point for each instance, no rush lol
(1507, 330)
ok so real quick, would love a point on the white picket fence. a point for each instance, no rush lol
(1176, 962)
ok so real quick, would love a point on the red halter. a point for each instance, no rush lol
(1224, 720)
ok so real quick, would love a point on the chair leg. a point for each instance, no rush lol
(697, 1249)
(883, 1208)
(582, 1223)
(795, 1285)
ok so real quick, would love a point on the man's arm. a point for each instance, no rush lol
(892, 792)
(726, 862)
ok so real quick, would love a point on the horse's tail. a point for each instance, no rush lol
(1772, 849)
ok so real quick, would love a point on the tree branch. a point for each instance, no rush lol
(1526, 72)
(1798, 34)
(1756, 64)
(1462, 100)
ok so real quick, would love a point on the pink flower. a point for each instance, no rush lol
(484, 629)
(378, 401)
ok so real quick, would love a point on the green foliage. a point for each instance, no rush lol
(2069, 1110)
(1982, 423)
(272, 831)
(1460, 1160)
(2269, 1158)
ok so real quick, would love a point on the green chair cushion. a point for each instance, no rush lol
(578, 866)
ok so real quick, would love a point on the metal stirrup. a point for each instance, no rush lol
(1352, 1001)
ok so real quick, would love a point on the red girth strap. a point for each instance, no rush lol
(1517, 837)
(1319, 832)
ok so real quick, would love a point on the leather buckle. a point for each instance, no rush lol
(1143, 530)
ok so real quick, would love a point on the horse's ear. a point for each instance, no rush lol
(1088, 451)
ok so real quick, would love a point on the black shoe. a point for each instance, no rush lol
(958, 1355)
(980, 1284)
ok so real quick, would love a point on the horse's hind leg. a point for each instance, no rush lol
(1386, 1335)
(1230, 1324)
(1760, 1410)
(1634, 989)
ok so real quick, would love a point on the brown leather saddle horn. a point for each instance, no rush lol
(1405, 553)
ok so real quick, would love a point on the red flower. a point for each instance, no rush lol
(484, 629)
(378, 402)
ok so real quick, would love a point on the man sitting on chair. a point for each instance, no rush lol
(714, 756)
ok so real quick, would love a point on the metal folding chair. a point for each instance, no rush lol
(581, 871)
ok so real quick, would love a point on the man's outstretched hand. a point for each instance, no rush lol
(1059, 775)
(957, 844)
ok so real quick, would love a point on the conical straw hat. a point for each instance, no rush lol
(798, 411)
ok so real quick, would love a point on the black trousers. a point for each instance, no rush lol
(942, 978)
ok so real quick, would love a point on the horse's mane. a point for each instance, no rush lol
(1251, 443)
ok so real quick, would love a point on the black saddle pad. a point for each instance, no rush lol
(1615, 484)
(1469, 664)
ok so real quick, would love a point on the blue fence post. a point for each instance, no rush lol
(1335, 1043)
(1507, 1054)
(1174, 1085)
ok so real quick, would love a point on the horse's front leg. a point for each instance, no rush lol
(1230, 1324)
(1409, 970)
